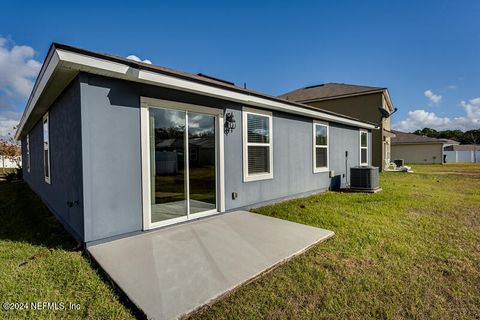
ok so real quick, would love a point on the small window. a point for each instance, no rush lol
(320, 147)
(257, 145)
(363, 147)
(28, 152)
(46, 149)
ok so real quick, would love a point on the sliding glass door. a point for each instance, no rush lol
(201, 162)
(182, 164)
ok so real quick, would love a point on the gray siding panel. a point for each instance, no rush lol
(112, 158)
(343, 138)
(65, 160)
(292, 163)
(112, 162)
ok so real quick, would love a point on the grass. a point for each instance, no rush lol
(40, 262)
(171, 188)
(410, 251)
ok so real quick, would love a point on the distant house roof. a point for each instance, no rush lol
(411, 138)
(328, 91)
(463, 147)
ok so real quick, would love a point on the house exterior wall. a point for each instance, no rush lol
(65, 160)
(418, 153)
(112, 155)
(363, 107)
(386, 141)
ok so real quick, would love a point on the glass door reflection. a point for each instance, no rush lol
(182, 164)
(201, 162)
(167, 164)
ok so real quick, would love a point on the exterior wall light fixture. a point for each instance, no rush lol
(229, 123)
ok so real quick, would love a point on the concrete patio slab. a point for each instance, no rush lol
(170, 272)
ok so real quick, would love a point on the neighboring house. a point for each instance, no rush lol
(360, 102)
(416, 149)
(462, 153)
(116, 147)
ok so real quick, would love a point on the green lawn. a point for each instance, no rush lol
(40, 262)
(410, 251)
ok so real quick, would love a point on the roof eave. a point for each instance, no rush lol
(60, 56)
(49, 65)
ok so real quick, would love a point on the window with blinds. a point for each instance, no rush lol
(320, 147)
(257, 136)
(363, 147)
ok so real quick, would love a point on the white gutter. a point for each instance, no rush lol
(85, 63)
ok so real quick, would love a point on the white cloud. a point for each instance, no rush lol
(434, 98)
(135, 58)
(472, 108)
(18, 69)
(8, 120)
(419, 119)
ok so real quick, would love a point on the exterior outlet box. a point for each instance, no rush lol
(234, 195)
(332, 173)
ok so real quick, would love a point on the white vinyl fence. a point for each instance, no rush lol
(462, 156)
(7, 163)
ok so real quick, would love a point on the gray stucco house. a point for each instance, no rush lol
(117, 147)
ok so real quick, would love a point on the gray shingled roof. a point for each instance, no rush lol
(411, 138)
(199, 77)
(463, 147)
(328, 90)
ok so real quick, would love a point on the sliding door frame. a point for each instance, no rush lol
(145, 104)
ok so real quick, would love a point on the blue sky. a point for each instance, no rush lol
(427, 53)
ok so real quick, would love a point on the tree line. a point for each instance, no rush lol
(464, 137)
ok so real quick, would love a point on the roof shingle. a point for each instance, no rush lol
(463, 147)
(411, 138)
(327, 90)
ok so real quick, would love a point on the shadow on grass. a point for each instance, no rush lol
(25, 218)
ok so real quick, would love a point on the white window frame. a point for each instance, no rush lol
(28, 152)
(315, 168)
(256, 176)
(360, 145)
(387, 153)
(47, 120)
(146, 103)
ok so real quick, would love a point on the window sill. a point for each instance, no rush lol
(320, 170)
(258, 177)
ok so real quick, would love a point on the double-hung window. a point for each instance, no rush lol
(363, 147)
(46, 149)
(28, 152)
(257, 145)
(320, 147)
